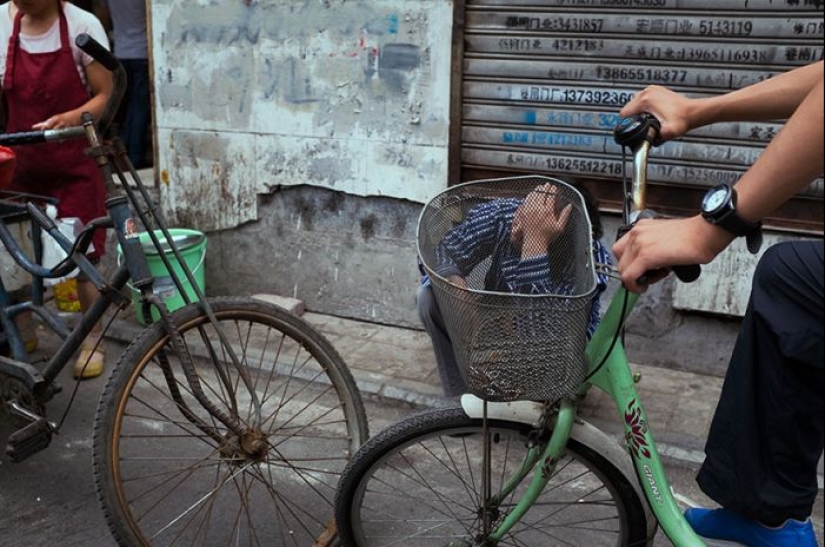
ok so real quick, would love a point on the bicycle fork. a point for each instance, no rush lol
(543, 455)
(142, 279)
(542, 462)
(614, 377)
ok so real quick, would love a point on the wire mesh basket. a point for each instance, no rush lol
(517, 318)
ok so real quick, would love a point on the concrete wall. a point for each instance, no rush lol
(252, 96)
(342, 254)
(356, 257)
(304, 136)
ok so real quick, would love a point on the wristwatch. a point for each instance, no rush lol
(719, 208)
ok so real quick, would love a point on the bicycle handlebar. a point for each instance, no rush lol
(640, 133)
(99, 53)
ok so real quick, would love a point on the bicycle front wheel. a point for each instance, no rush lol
(419, 484)
(169, 472)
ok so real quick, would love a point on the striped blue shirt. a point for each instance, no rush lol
(486, 233)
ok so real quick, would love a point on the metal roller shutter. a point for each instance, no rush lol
(543, 81)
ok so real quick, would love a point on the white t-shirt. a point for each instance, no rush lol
(79, 21)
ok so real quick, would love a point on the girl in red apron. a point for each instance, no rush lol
(45, 91)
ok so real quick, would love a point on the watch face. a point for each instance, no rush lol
(715, 199)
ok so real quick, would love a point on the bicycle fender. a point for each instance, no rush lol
(523, 412)
(529, 413)
(597, 440)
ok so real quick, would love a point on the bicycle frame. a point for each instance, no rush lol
(72, 340)
(609, 370)
(615, 379)
(112, 161)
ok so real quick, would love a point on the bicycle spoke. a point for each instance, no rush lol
(184, 478)
(425, 492)
(156, 389)
(191, 518)
(208, 497)
(170, 488)
(403, 493)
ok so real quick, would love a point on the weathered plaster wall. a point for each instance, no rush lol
(304, 135)
(251, 96)
(355, 257)
(341, 254)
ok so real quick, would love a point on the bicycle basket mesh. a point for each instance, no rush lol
(524, 345)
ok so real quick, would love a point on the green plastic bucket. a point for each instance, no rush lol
(192, 247)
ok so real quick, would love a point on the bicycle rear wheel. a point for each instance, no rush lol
(168, 472)
(418, 484)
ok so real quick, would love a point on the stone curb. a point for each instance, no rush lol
(662, 388)
(427, 396)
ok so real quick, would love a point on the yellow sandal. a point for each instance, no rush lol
(91, 361)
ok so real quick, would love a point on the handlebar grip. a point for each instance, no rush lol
(99, 53)
(688, 274)
(633, 131)
(105, 58)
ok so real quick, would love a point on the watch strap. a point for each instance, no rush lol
(754, 239)
(731, 221)
(751, 231)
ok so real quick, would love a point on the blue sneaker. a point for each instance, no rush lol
(725, 525)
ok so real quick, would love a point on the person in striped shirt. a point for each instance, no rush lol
(515, 234)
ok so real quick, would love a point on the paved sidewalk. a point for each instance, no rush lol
(398, 363)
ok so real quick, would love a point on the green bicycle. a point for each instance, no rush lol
(514, 464)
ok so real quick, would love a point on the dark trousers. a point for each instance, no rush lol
(766, 437)
(136, 112)
(430, 314)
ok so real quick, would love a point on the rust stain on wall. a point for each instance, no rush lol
(343, 94)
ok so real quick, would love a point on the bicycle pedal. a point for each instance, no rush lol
(30, 440)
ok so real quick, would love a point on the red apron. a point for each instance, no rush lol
(37, 86)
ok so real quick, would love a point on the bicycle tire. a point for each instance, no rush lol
(416, 484)
(163, 480)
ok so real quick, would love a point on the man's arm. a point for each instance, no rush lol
(538, 222)
(776, 98)
(790, 163)
(472, 240)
